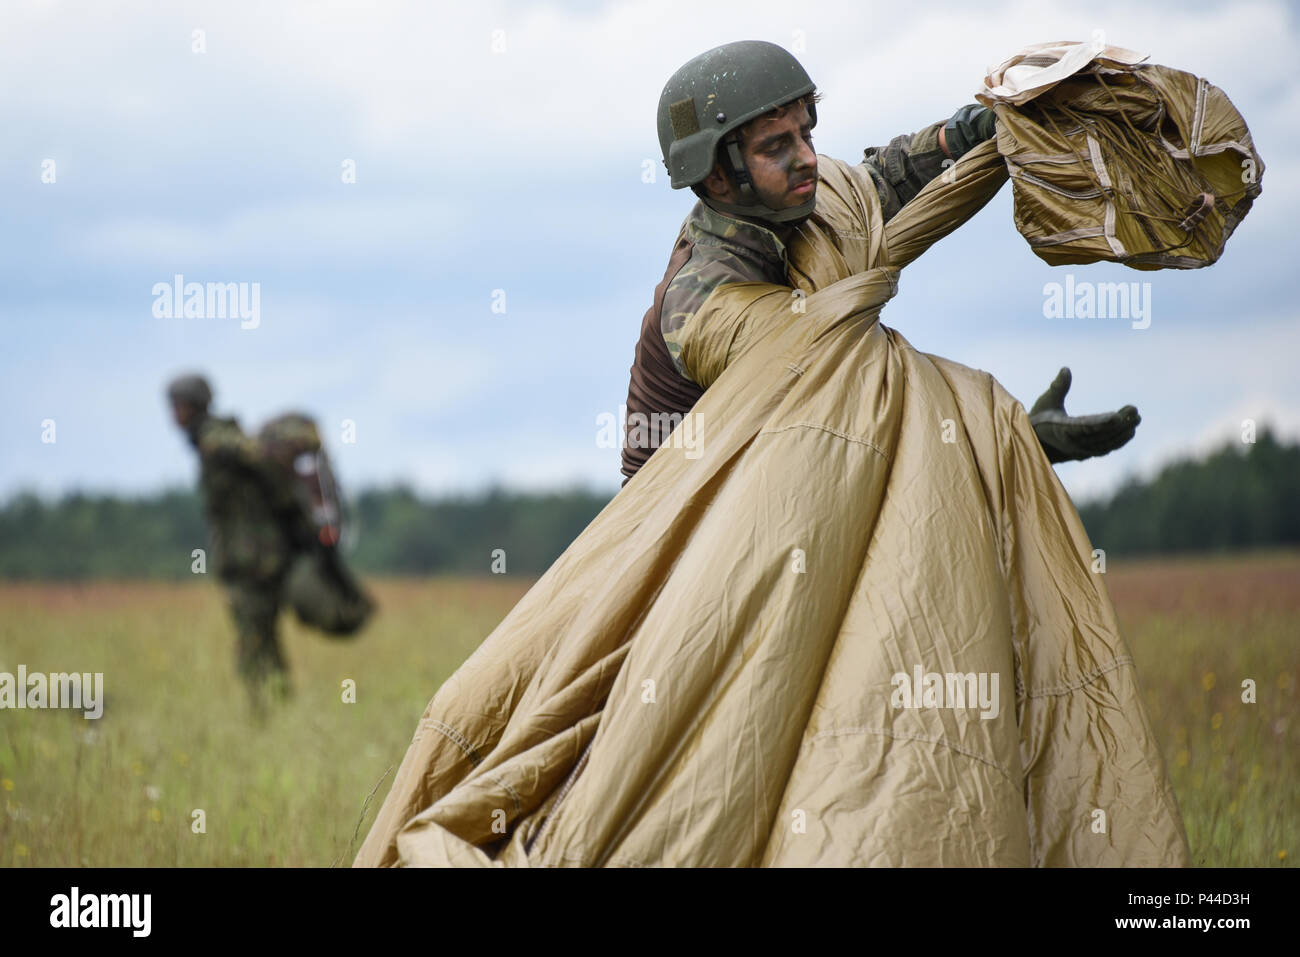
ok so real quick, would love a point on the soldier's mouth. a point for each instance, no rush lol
(806, 187)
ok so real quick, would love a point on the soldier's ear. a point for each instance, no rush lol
(718, 184)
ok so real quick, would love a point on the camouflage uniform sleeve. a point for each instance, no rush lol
(901, 169)
(684, 296)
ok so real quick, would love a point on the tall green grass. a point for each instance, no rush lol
(1198, 629)
(177, 733)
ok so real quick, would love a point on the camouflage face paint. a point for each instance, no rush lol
(781, 160)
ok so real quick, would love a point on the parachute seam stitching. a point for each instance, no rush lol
(1024, 177)
(1083, 681)
(826, 428)
(514, 795)
(904, 736)
(456, 738)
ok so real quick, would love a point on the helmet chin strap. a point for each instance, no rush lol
(752, 206)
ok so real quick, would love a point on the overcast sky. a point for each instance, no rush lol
(521, 169)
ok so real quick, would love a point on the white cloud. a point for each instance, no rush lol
(527, 163)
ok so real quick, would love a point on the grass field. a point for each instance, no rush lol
(176, 734)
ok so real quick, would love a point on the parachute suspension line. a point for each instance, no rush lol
(1135, 146)
(1157, 165)
(1191, 178)
(1104, 131)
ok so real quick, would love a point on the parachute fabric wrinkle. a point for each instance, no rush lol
(715, 681)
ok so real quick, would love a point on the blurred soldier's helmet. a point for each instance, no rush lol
(191, 390)
(706, 102)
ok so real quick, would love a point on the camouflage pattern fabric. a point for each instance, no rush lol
(255, 606)
(253, 509)
(903, 168)
(727, 249)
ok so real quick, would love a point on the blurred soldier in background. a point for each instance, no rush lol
(267, 541)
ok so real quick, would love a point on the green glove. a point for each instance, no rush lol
(1072, 438)
(969, 126)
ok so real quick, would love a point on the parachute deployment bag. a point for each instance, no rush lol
(1120, 161)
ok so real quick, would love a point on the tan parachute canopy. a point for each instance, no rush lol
(847, 615)
(1114, 159)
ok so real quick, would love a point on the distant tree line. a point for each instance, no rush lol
(1242, 496)
(98, 536)
(1245, 495)
(401, 533)
(397, 532)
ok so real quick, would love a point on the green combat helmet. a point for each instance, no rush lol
(191, 390)
(709, 98)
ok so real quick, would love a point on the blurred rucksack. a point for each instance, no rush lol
(320, 588)
(292, 441)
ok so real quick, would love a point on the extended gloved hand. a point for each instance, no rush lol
(1071, 438)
